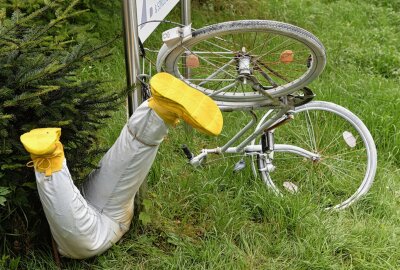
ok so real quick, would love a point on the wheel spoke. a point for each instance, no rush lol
(223, 89)
(262, 45)
(310, 132)
(276, 48)
(218, 71)
(273, 71)
(213, 64)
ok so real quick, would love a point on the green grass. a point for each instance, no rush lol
(212, 218)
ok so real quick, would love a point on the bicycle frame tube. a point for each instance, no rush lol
(241, 132)
(244, 146)
(264, 126)
(278, 148)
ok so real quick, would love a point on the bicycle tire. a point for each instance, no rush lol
(307, 63)
(348, 157)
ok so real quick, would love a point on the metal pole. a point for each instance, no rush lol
(131, 39)
(186, 12)
(132, 62)
(186, 19)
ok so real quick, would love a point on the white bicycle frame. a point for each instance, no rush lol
(248, 146)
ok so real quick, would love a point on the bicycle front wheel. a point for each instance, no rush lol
(232, 61)
(343, 162)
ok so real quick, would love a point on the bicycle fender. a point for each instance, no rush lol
(162, 55)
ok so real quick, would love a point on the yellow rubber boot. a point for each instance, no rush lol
(169, 117)
(45, 148)
(173, 99)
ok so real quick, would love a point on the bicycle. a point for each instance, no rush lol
(299, 145)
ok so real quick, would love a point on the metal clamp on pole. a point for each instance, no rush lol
(132, 61)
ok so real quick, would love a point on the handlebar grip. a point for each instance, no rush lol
(187, 152)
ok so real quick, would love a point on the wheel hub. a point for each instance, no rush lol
(243, 64)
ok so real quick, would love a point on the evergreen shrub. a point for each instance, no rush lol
(41, 55)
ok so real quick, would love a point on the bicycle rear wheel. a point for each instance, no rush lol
(346, 164)
(232, 61)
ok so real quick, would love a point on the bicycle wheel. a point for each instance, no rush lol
(248, 61)
(344, 163)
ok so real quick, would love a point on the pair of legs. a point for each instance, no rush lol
(87, 223)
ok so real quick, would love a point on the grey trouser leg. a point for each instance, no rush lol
(84, 227)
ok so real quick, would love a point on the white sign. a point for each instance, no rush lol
(149, 10)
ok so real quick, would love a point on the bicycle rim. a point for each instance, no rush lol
(347, 159)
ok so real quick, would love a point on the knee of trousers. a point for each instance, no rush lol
(82, 243)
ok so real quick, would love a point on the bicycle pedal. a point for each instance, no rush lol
(187, 152)
(240, 165)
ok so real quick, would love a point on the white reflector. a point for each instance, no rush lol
(349, 139)
(291, 187)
